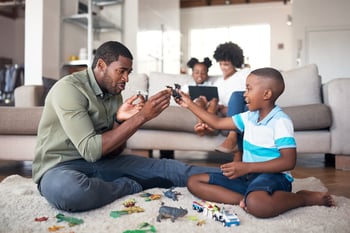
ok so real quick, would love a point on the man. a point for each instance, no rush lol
(85, 126)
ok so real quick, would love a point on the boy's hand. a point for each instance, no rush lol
(202, 128)
(130, 107)
(233, 169)
(185, 99)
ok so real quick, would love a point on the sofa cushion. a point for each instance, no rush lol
(158, 81)
(310, 117)
(20, 120)
(29, 96)
(173, 118)
(138, 83)
(302, 87)
(48, 84)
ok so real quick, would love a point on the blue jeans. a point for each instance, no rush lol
(79, 185)
(237, 105)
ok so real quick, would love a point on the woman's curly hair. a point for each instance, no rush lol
(193, 61)
(229, 51)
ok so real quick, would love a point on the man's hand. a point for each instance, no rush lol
(156, 104)
(130, 107)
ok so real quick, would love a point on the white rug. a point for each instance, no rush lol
(20, 204)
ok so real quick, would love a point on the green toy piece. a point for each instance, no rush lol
(117, 213)
(129, 210)
(140, 230)
(71, 220)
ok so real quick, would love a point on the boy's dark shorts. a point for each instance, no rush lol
(269, 182)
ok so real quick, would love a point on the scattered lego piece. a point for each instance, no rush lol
(145, 194)
(153, 197)
(129, 203)
(41, 219)
(200, 222)
(192, 218)
(129, 210)
(117, 213)
(150, 197)
(140, 230)
(175, 90)
(71, 220)
(134, 209)
(172, 194)
(55, 228)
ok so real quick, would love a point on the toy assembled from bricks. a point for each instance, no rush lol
(261, 183)
(215, 212)
(84, 126)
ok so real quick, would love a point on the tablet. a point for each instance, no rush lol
(209, 92)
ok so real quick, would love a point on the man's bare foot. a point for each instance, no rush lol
(316, 198)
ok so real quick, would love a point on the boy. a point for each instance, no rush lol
(261, 182)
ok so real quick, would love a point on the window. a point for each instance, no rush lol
(253, 39)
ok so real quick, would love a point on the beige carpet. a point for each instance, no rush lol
(20, 204)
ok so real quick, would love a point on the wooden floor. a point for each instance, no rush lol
(337, 181)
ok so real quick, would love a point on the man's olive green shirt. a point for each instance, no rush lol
(75, 114)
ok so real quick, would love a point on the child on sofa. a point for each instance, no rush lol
(261, 183)
(200, 77)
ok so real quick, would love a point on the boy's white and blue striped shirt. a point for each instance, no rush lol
(262, 140)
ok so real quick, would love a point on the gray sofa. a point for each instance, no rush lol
(319, 113)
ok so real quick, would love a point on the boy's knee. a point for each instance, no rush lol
(258, 206)
(191, 182)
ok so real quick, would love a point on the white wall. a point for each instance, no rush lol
(322, 37)
(34, 42)
(12, 39)
(274, 14)
(330, 18)
(158, 36)
(51, 39)
(131, 25)
(306, 14)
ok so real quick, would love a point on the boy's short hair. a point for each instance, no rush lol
(275, 76)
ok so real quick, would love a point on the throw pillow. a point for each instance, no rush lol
(47, 83)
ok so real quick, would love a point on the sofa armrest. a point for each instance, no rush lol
(336, 94)
(29, 96)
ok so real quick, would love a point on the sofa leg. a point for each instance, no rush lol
(144, 153)
(329, 160)
(342, 162)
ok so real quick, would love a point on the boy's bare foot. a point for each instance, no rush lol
(316, 198)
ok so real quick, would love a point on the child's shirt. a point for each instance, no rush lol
(236, 82)
(263, 140)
